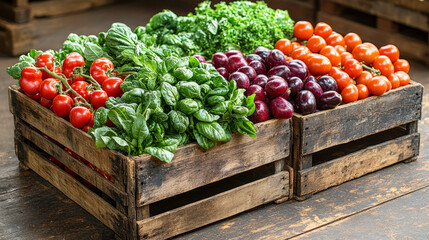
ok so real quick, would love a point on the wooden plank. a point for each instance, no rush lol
(131, 192)
(78, 167)
(421, 6)
(52, 8)
(406, 44)
(212, 209)
(73, 189)
(352, 121)
(158, 180)
(20, 3)
(389, 11)
(14, 14)
(62, 131)
(357, 164)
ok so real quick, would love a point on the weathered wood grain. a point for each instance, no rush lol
(218, 207)
(73, 189)
(352, 121)
(131, 192)
(78, 141)
(51, 8)
(357, 164)
(15, 14)
(193, 166)
(78, 167)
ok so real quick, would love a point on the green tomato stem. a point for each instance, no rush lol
(371, 69)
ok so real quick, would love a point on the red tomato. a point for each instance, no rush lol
(303, 30)
(363, 91)
(45, 59)
(353, 68)
(404, 78)
(394, 80)
(401, 65)
(72, 61)
(47, 103)
(30, 80)
(322, 29)
(364, 53)
(318, 64)
(364, 78)
(35, 97)
(300, 53)
(377, 85)
(284, 45)
(332, 55)
(112, 86)
(47, 88)
(295, 45)
(335, 39)
(350, 93)
(62, 104)
(80, 88)
(342, 79)
(383, 64)
(98, 98)
(99, 68)
(80, 116)
(316, 43)
(352, 40)
(340, 49)
(391, 51)
(344, 57)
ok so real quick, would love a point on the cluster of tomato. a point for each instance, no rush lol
(67, 94)
(360, 69)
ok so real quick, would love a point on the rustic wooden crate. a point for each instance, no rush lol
(380, 22)
(334, 146)
(150, 199)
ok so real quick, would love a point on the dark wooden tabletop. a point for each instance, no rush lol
(392, 203)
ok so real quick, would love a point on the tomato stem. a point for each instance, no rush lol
(371, 69)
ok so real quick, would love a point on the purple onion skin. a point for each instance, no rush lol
(281, 71)
(254, 57)
(298, 69)
(258, 66)
(262, 112)
(328, 100)
(257, 90)
(235, 62)
(305, 102)
(233, 52)
(262, 52)
(310, 78)
(219, 59)
(276, 87)
(249, 71)
(281, 108)
(260, 80)
(295, 85)
(275, 58)
(314, 88)
(200, 58)
(327, 83)
(223, 72)
(241, 79)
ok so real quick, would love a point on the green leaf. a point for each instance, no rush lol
(220, 91)
(120, 144)
(212, 131)
(205, 116)
(220, 108)
(168, 78)
(169, 93)
(135, 95)
(193, 62)
(245, 127)
(15, 70)
(93, 52)
(121, 118)
(250, 104)
(159, 116)
(183, 74)
(214, 100)
(160, 153)
(189, 89)
(100, 117)
(171, 63)
(140, 131)
(101, 132)
(178, 120)
(188, 106)
(243, 111)
(203, 141)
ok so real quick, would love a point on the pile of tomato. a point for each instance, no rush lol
(360, 69)
(68, 93)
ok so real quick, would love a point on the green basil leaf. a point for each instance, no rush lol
(214, 100)
(135, 95)
(100, 117)
(188, 106)
(240, 110)
(93, 52)
(212, 131)
(160, 153)
(140, 131)
(220, 108)
(117, 143)
(189, 90)
(193, 62)
(178, 120)
(183, 74)
(159, 116)
(219, 81)
(245, 127)
(203, 141)
(101, 132)
(168, 78)
(220, 91)
(250, 104)
(169, 94)
(205, 116)
(171, 63)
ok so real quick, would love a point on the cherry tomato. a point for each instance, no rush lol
(45, 59)
(284, 45)
(332, 54)
(404, 78)
(342, 79)
(352, 40)
(377, 85)
(80, 88)
(318, 64)
(401, 65)
(350, 93)
(99, 68)
(388, 84)
(383, 64)
(86, 129)
(112, 86)
(391, 51)
(353, 68)
(47, 88)
(334, 70)
(98, 98)
(316, 43)
(340, 49)
(303, 30)
(364, 78)
(372, 46)
(364, 53)
(36, 97)
(80, 116)
(323, 29)
(295, 45)
(30, 80)
(62, 104)
(47, 103)
(344, 57)
(72, 61)
(335, 39)
(363, 91)
(394, 80)
(300, 53)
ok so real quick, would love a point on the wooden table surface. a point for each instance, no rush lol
(392, 203)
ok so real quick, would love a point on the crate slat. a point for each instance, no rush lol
(357, 164)
(52, 8)
(160, 180)
(217, 207)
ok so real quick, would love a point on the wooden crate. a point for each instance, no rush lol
(380, 22)
(334, 146)
(149, 199)
(21, 20)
